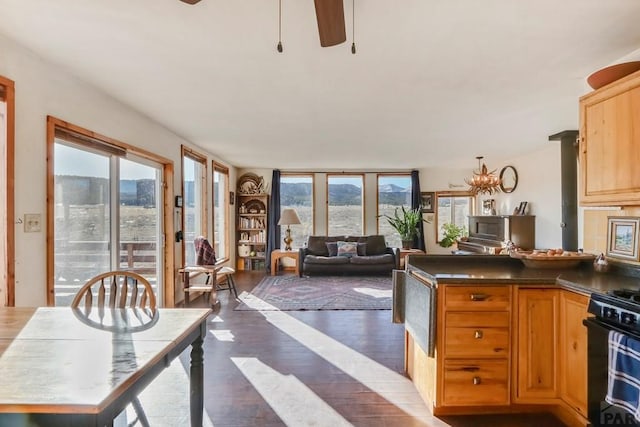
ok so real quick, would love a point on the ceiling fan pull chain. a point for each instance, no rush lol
(279, 26)
(353, 26)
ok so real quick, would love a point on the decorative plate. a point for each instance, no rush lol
(612, 73)
(250, 183)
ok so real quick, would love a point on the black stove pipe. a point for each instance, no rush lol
(569, 187)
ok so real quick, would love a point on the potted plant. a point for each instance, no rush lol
(406, 224)
(452, 233)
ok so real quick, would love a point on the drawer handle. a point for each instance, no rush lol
(479, 297)
(477, 380)
(477, 334)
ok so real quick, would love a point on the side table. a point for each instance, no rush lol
(405, 252)
(276, 254)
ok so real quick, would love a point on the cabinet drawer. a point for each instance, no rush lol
(472, 383)
(471, 319)
(477, 297)
(471, 342)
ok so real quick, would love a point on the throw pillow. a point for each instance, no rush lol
(376, 245)
(347, 249)
(362, 249)
(332, 247)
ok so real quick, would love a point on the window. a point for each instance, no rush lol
(194, 190)
(394, 191)
(106, 211)
(296, 191)
(220, 211)
(454, 207)
(345, 202)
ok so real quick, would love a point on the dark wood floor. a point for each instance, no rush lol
(297, 368)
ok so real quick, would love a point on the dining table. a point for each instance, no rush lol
(61, 366)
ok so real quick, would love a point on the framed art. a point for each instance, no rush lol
(622, 237)
(427, 200)
(489, 207)
(232, 197)
(522, 208)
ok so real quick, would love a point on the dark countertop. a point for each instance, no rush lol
(499, 269)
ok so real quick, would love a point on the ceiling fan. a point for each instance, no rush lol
(330, 16)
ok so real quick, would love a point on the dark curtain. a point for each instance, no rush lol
(273, 235)
(416, 201)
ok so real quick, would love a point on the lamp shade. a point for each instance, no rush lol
(288, 217)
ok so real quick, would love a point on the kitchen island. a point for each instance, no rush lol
(486, 334)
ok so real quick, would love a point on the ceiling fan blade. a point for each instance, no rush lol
(190, 1)
(330, 15)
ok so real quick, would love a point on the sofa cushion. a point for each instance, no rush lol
(347, 249)
(329, 260)
(376, 245)
(362, 249)
(332, 247)
(373, 259)
(317, 245)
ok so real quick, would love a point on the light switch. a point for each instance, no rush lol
(32, 223)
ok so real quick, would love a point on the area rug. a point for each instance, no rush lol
(290, 293)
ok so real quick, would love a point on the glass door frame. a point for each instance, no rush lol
(167, 292)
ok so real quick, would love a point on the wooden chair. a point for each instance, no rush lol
(122, 289)
(118, 289)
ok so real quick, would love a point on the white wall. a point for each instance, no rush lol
(538, 184)
(42, 89)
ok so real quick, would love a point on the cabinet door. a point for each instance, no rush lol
(610, 144)
(573, 351)
(537, 319)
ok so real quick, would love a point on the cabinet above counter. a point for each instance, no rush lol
(609, 144)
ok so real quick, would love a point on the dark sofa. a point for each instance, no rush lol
(373, 256)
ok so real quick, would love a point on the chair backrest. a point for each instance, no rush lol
(116, 289)
(205, 255)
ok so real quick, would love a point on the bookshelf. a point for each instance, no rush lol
(251, 231)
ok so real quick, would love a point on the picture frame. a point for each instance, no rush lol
(488, 207)
(622, 237)
(232, 197)
(522, 208)
(427, 201)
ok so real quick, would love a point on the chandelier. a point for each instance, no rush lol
(483, 181)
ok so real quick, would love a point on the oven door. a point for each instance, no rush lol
(602, 413)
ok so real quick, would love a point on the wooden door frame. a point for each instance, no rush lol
(168, 290)
(9, 267)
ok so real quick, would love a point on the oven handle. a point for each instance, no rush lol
(594, 322)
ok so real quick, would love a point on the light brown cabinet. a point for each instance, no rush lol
(475, 335)
(503, 347)
(537, 338)
(573, 351)
(610, 144)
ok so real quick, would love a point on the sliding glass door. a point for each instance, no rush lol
(107, 216)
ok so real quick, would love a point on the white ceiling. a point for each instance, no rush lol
(434, 82)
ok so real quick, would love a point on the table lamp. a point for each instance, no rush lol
(288, 217)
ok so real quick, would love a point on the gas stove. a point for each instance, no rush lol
(620, 308)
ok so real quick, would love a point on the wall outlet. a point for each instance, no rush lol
(32, 223)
